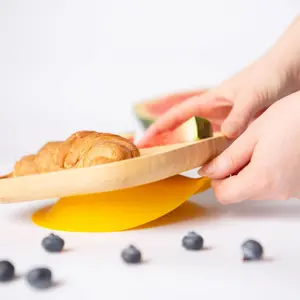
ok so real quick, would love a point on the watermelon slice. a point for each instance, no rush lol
(195, 128)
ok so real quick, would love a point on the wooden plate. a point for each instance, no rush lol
(154, 164)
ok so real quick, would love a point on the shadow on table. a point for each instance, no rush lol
(186, 212)
(25, 213)
(266, 209)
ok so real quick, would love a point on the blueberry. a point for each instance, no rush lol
(131, 255)
(39, 278)
(53, 243)
(252, 250)
(7, 271)
(192, 241)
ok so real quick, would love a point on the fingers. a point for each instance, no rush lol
(242, 113)
(195, 106)
(238, 188)
(173, 118)
(232, 159)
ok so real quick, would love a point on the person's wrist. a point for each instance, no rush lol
(283, 59)
(281, 73)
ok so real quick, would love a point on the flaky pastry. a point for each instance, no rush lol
(81, 149)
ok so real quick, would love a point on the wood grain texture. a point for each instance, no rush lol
(154, 164)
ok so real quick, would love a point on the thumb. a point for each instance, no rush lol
(237, 188)
(240, 116)
(232, 159)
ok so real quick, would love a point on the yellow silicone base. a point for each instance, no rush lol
(119, 210)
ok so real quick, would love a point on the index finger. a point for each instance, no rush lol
(175, 117)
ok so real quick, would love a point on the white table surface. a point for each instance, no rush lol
(91, 267)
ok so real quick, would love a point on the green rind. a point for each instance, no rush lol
(145, 122)
(203, 126)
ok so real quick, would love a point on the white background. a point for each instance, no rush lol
(74, 65)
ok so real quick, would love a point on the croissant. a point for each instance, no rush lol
(81, 149)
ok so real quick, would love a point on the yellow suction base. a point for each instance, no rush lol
(119, 210)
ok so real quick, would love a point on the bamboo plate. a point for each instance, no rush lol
(154, 164)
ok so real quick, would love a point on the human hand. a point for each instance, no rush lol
(238, 101)
(230, 107)
(265, 159)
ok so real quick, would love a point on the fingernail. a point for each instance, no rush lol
(229, 130)
(218, 165)
(206, 170)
